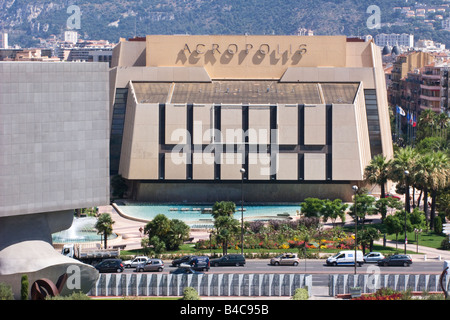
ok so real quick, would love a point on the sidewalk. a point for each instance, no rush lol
(424, 253)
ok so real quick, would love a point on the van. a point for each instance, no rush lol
(229, 260)
(346, 258)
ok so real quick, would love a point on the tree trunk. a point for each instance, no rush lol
(420, 197)
(383, 191)
(425, 204)
(433, 208)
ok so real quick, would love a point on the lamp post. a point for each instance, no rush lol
(417, 231)
(355, 190)
(242, 170)
(406, 203)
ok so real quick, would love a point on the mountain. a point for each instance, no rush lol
(26, 21)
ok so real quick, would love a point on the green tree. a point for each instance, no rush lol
(422, 170)
(333, 209)
(223, 208)
(104, 225)
(364, 206)
(226, 229)
(394, 226)
(404, 160)
(377, 172)
(438, 179)
(165, 234)
(24, 287)
(443, 203)
(312, 207)
(367, 236)
(382, 205)
(418, 219)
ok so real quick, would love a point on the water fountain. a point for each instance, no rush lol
(82, 230)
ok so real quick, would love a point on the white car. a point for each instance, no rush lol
(373, 257)
(135, 262)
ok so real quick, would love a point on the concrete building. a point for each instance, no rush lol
(303, 115)
(53, 159)
(394, 39)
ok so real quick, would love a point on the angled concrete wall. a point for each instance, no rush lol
(213, 284)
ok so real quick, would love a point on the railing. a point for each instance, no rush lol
(207, 284)
(369, 283)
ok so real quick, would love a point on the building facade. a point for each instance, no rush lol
(53, 159)
(394, 39)
(302, 115)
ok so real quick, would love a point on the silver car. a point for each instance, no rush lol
(285, 259)
(373, 257)
(151, 265)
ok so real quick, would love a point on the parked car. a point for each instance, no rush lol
(285, 259)
(134, 262)
(184, 259)
(197, 263)
(229, 260)
(182, 270)
(390, 195)
(151, 265)
(346, 258)
(373, 257)
(396, 260)
(110, 265)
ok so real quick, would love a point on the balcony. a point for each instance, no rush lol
(431, 76)
(430, 87)
(429, 98)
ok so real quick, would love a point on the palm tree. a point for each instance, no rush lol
(401, 170)
(442, 121)
(438, 179)
(377, 172)
(422, 169)
(427, 122)
(104, 225)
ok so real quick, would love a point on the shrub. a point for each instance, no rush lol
(190, 293)
(438, 225)
(73, 296)
(301, 294)
(24, 288)
(6, 292)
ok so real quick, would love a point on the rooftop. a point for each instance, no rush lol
(251, 92)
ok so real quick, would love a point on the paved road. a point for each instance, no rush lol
(319, 267)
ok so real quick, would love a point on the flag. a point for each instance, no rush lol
(414, 123)
(401, 111)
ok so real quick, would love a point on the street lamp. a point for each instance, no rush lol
(355, 190)
(407, 209)
(242, 170)
(417, 231)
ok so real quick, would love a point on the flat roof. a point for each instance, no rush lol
(245, 92)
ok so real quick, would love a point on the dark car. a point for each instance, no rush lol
(199, 263)
(110, 265)
(229, 260)
(182, 270)
(396, 260)
(177, 262)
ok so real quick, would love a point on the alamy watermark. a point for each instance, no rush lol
(374, 21)
(228, 148)
(74, 21)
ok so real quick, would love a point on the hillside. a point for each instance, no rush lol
(111, 19)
